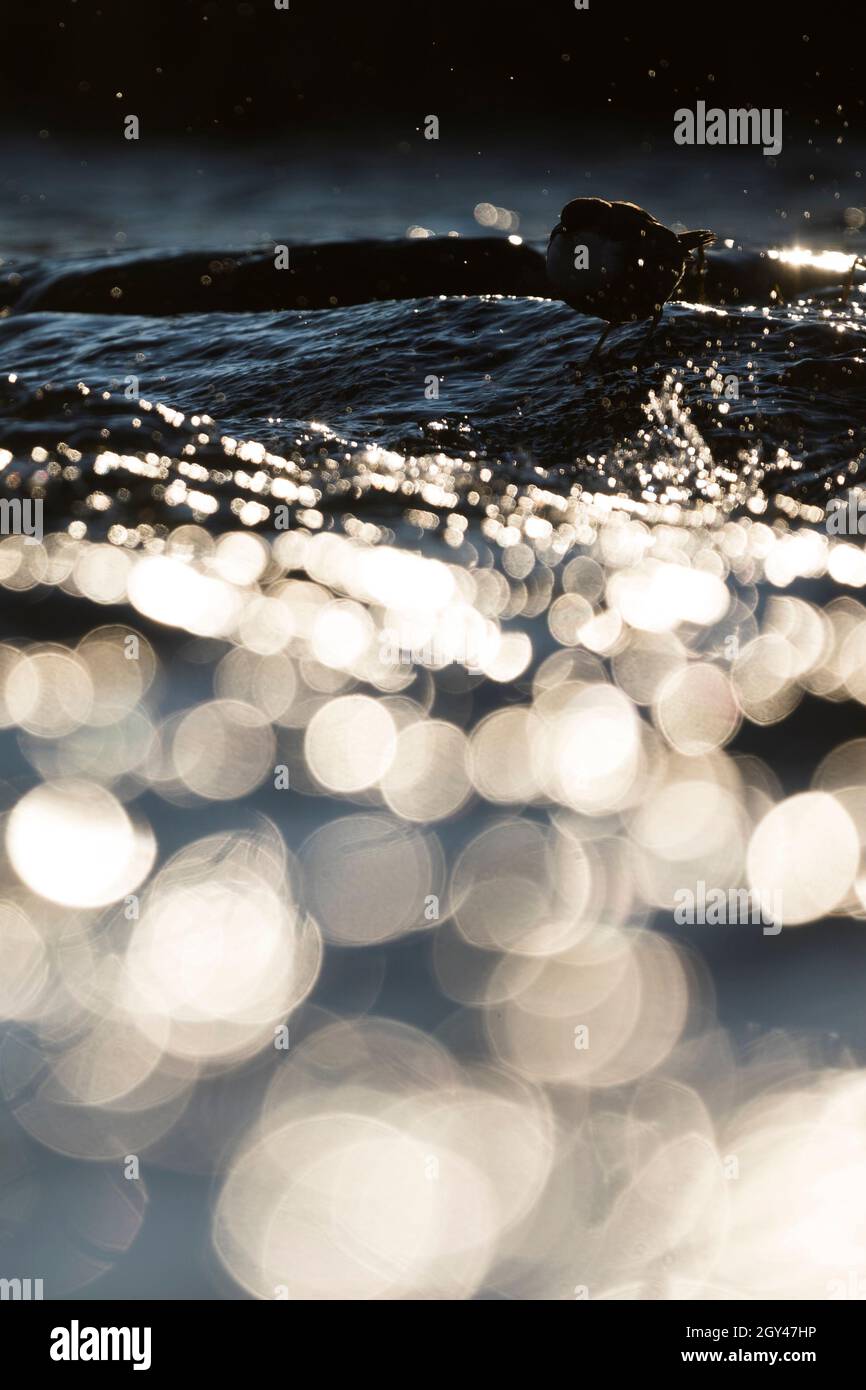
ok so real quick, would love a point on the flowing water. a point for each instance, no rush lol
(383, 677)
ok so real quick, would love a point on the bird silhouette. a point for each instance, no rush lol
(615, 261)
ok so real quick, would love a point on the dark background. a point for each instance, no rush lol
(232, 69)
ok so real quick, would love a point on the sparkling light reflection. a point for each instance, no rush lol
(503, 752)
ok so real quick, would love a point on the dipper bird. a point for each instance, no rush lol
(617, 262)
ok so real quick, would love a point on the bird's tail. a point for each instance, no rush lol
(696, 241)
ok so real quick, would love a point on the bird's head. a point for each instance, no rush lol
(582, 215)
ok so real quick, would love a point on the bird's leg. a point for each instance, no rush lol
(849, 281)
(652, 328)
(702, 275)
(604, 332)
